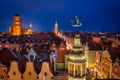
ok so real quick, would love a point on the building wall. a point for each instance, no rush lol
(106, 65)
(66, 61)
(116, 70)
(45, 73)
(16, 29)
(3, 72)
(14, 73)
(1, 45)
(29, 73)
(97, 63)
(61, 54)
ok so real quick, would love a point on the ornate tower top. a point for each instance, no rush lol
(78, 23)
(77, 40)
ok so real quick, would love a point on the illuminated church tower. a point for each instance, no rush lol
(56, 28)
(77, 63)
(16, 29)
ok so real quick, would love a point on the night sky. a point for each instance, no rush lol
(95, 15)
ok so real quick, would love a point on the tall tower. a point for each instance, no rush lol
(17, 25)
(31, 28)
(56, 28)
(77, 59)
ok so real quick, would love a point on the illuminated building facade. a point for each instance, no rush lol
(77, 62)
(61, 52)
(107, 66)
(97, 65)
(116, 69)
(16, 29)
(60, 56)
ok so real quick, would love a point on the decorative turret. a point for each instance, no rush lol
(77, 62)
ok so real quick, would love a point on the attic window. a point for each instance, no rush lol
(97, 60)
(37, 77)
(8, 76)
(45, 73)
(22, 77)
(14, 73)
(29, 73)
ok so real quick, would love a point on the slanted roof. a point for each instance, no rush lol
(6, 57)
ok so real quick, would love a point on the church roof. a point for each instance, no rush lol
(6, 57)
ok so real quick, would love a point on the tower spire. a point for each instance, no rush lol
(56, 24)
(56, 28)
(30, 25)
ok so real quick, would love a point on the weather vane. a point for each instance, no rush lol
(78, 23)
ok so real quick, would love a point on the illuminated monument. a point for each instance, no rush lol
(77, 61)
(56, 28)
(16, 29)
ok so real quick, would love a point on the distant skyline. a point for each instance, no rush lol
(95, 15)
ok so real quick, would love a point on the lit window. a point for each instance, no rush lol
(95, 63)
(97, 60)
(91, 69)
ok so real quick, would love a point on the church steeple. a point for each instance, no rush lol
(56, 24)
(56, 28)
(30, 25)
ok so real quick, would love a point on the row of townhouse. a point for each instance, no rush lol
(107, 65)
(29, 74)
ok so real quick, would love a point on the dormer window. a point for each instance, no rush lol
(14, 73)
(45, 73)
(29, 73)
